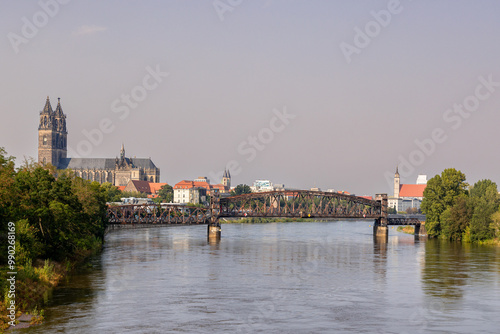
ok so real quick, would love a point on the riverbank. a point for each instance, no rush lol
(408, 229)
(34, 284)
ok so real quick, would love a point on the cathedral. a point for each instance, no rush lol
(52, 149)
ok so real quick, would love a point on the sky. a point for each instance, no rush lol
(329, 94)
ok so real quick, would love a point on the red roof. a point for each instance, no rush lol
(185, 184)
(155, 187)
(367, 197)
(122, 188)
(412, 190)
(137, 185)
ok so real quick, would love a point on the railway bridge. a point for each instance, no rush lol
(272, 204)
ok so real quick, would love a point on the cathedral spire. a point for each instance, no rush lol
(122, 152)
(397, 171)
(59, 111)
(48, 107)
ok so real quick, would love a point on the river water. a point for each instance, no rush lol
(328, 277)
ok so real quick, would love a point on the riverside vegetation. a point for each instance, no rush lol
(457, 211)
(59, 221)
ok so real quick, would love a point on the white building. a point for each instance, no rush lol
(194, 195)
(262, 185)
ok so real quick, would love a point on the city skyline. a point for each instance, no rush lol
(330, 95)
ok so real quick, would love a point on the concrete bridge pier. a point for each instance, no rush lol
(420, 230)
(380, 228)
(214, 232)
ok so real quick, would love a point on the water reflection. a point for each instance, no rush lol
(314, 277)
(446, 271)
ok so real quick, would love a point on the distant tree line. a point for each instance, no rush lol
(457, 211)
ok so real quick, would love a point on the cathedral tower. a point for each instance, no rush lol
(52, 135)
(396, 184)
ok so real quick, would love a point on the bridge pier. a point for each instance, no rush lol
(214, 232)
(380, 228)
(420, 230)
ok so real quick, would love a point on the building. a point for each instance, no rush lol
(52, 149)
(196, 191)
(262, 185)
(194, 195)
(149, 188)
(226, 179)
(407, 195)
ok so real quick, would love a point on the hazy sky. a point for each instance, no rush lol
(332, 94)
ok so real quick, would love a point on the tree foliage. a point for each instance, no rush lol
(113, 194)
(165, 194)
(484, 199)
(457, 214)
(441, 193)
(455, 219)
(55, 217)
(241, 189)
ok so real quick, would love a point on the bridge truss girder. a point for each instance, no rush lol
(156, 214)
(299, 204)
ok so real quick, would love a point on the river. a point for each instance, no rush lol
(318, 277)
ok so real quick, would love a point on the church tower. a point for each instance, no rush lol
(52, 135)
(396, 184)
(226, 179)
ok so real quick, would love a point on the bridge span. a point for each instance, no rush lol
(272, 204)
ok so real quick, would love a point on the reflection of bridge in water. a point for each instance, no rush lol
(273, 204)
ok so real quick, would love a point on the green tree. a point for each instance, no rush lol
(241, 189)
(135, 194)
(165, 194)
(484, 198)
(456, 219)
(495, 224)
(66, 215)
(7, 197)
(441, 193)
(113, 193)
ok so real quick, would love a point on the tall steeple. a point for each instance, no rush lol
(397, 185)
(122, 152)
(52, 135)
(58, 111)
(48, 107)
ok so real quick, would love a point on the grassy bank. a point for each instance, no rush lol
(409, 229)
(33, 285)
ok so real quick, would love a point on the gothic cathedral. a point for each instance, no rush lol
(53, 148)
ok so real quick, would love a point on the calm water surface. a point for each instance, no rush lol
(279, 278)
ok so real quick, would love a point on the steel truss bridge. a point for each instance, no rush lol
(272, 204)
